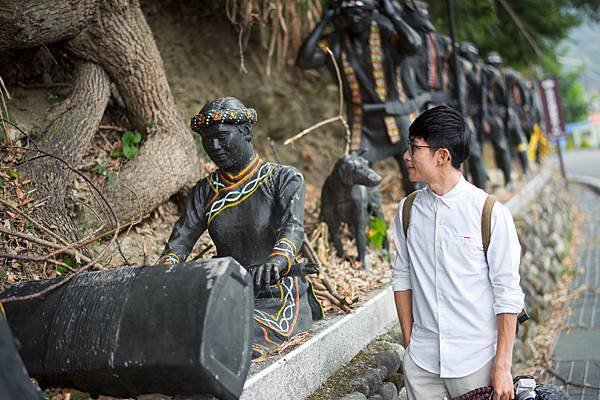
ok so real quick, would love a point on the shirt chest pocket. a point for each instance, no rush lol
(467, 250)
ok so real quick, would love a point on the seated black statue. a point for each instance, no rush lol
(254, 212)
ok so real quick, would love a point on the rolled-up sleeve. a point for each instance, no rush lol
(504, 256)
(401, 266)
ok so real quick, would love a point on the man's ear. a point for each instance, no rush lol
(444, 156)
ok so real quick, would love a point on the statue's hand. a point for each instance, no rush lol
(330, 9)
(264, 274)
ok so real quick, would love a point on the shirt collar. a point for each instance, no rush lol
(450, 198)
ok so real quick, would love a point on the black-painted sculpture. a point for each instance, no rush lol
(428, 65)
(495, 113)
(515, 101)
(14, 381)
(370, 45)
(125, 332)
(472, 97)
(254, 212)
(346, 198)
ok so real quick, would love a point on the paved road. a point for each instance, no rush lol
(577, 352)
(583, 162)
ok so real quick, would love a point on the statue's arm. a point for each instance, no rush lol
(311, 55)
(484, 92)
(188, 228)
(409, 40)
(290, 207)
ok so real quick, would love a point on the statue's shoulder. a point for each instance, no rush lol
(285, 172)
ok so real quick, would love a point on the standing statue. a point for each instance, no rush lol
(428, 66)
(472, 96)
(370, 46)
(515, 101)
(494, 108)
(254, 212)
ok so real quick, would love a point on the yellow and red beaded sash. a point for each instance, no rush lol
(432, 61)
(380, 88)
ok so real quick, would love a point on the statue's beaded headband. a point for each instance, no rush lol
(226, 116)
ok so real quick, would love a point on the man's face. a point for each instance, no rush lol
(421, 160)
(358, 18)
(227, 145)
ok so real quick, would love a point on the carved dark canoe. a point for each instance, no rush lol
(14, 382)
(179, 330)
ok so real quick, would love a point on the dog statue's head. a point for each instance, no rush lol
(353, 169)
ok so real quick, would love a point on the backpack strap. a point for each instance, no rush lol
(486, 222)
(410, 199)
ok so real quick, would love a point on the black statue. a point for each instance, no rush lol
(470, 75)
(494, 109)
(254, 212)
(428, 67)
(515, 101)
(125, 332)
(346, 198)
(370, 45)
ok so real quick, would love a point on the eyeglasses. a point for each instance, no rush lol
(412, 147)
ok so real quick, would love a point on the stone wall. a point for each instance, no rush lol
(545, 230)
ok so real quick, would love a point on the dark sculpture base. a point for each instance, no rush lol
(14, 382)
(178, 330)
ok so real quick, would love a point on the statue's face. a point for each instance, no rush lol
(229, 146)
(358, 19)
(417, 17)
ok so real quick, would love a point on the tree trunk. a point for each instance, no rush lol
(114, 35)
(121, 41)
(71, 127)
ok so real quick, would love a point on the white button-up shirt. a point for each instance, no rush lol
(456, 293)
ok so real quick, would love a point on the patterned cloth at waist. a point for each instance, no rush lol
(482, 393)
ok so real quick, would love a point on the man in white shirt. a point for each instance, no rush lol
(457, 309)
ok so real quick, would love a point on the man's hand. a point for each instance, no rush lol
(502, 382)
(264, 274)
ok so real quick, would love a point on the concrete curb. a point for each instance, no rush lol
(300, 372)
(589, 181)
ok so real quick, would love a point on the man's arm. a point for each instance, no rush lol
(503, 256)
(403, 301)
(401, 279)
(501, 378)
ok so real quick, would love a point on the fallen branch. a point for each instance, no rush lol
(36, 259)
(40, 241)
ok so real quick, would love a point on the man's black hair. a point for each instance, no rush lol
(443, 127)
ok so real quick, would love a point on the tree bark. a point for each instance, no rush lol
(121, 41)
(71, 127)
(114, 35)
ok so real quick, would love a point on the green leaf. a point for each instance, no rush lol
(69, 261)
(130, 152)
(116, 153)
(131, 137)
(13, 173)
(62, 270)
(101, 169)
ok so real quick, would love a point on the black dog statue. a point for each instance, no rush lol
(350, 195)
